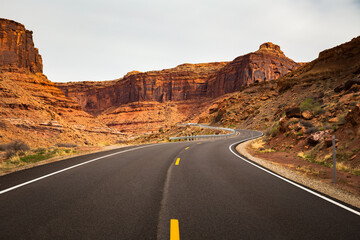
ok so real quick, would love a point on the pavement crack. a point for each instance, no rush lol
(163, 219)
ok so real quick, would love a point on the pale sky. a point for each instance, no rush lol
(94, 40)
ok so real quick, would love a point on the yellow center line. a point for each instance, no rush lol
(187, 148)
(177, 161)
(174, 229)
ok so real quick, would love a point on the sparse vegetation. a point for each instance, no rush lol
(298, 134)
(311, 130)
(13, 148)
(273, 130)
(33, 156)
(66, 145)
(311, 105)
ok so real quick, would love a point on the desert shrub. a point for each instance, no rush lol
(14, 146)
(298, 134)
(311, 130)
(273, 130)
(311, 105)
(18, 145)
(68, 145)
(9, 153)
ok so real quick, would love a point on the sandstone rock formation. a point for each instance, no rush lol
(184, 82)
(32, 108)
(331, 82)
(17, 49)
(268, 63)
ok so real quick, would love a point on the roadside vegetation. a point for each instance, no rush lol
(18, 154)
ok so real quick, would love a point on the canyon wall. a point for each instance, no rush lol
(182, 83)
(17, 49)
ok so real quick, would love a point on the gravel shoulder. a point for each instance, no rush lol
(316, 184)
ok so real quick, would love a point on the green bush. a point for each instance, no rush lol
(34, 158)
(311, 105)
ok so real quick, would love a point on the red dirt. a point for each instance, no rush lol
(290, 160)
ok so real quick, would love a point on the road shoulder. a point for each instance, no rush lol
(318, 185)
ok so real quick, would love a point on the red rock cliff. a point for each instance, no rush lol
(17, 49)
(184, 82)
(268, 63)
(31, 106)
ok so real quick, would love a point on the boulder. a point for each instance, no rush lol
(283, 125)
(307, 115)
(333, 120)
(316, 137)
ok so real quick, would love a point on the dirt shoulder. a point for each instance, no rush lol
(4, 169)
(306, 173)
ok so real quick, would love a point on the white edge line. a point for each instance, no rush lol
(293, 183)
(68, 168)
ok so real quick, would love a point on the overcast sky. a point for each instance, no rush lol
(104, 39)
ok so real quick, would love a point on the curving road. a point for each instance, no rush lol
(134, 193)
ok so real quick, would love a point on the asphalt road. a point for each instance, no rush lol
(134, 193)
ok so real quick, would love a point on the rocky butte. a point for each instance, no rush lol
(268, 63)
(31, 105)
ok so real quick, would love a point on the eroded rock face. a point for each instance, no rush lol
(31, 106)
(268, 63)
(17, 49)
(182, 83)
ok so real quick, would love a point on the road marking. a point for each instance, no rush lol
(174, 229)
(177, 161)
(288, 181)
(199, 143)
(187, 148)
(68, 168)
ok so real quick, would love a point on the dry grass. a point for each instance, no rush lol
(258, 145)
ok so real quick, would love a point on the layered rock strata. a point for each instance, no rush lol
(268, 63)
(182, 83)
(17, 51)
(32, 108)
